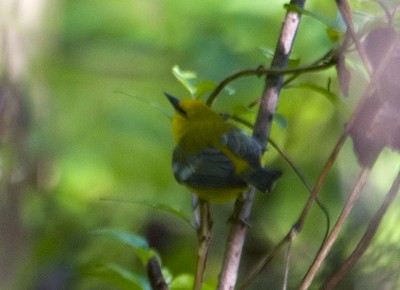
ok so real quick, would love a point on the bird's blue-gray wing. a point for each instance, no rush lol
(208, 168)
(249, 149)
(243, 146)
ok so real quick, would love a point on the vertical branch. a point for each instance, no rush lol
(262, 128)
(273, 83)
(204, 237)
(237, 234)
(14, 128)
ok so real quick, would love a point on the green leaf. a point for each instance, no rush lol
(188, 79)
(240, 110)
(204, 87)
(162, 207)
(118, 276)
(280, 120)
(151, 104)
(334, 34)
(182, 282)
(190, 82)
(168, 209)
(293, 8)
(336, 31)
(331, 97)
(137, 243)
(185, 282)
(269, 54)
(294, 62)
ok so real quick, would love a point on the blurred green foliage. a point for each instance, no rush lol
(98, 147)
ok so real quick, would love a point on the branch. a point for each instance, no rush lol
(298, 225)
(345, 10)
(155, 275)
(323, 63)
(273, 83)
(320, 181)
(204, 236)
(237, 234)
(366, 238)
(323, 252)
(268, 104)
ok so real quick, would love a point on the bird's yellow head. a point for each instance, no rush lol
(190, 115)
(190, 109)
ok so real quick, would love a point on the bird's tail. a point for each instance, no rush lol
(262, 178)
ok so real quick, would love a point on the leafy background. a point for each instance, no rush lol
(98, 145)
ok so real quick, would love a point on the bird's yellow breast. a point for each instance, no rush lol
(198, 127)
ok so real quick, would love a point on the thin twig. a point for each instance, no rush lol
(264, 261)
(325, 62)
(287, 260)
(204, 236)
(320, 181)
(366, 238)
(323, 252)
(345, 10)
(389, 15)
(306, 184)
(155, 275)
(320, 64)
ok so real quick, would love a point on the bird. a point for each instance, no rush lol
(213, 158)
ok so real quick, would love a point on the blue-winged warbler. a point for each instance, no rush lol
(213, 158)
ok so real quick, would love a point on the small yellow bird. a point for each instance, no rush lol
(213, 158)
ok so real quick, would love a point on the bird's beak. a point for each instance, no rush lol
(174, 101)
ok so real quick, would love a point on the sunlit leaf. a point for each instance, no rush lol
(187, 78)
(185, 281)
(118, 276)
(182, 282)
